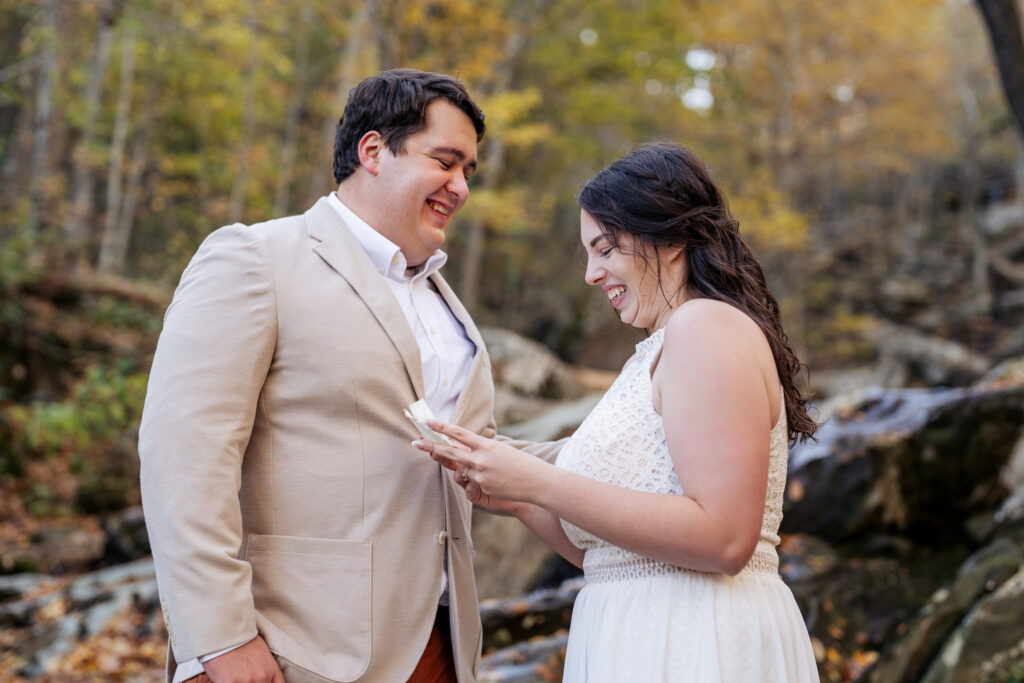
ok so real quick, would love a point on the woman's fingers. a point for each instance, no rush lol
(450, 457)
(463, 436)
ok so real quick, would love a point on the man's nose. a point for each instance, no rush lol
(459, 186)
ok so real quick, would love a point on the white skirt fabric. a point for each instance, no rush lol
(689, 626)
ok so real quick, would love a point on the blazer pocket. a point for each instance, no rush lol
(312, 598)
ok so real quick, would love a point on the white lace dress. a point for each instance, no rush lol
(638, 619)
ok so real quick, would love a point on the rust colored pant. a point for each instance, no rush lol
(437, 664)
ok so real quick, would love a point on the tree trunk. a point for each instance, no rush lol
(512, 53)
(76, 230)
(139, 158)
(237, 202)
(382, 18)
(472, 260)
(347, 69)
(108, 259)
(1003, 21)
(291, 125)
(41, 127)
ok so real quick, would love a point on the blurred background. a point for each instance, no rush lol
(869, 150)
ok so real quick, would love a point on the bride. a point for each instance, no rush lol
(669, 495)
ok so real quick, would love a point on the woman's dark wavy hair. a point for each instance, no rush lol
(394, 103)
(662, 195)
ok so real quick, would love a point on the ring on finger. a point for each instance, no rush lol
(465, 475)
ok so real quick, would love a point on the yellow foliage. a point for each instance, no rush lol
(766, 217)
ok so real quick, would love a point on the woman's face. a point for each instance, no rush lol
(630, 281)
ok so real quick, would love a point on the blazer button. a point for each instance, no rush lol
(442, 537)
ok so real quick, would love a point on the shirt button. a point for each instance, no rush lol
(442, 537)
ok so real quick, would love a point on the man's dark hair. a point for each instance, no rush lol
(394, 103)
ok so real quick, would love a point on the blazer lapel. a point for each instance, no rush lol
(337, 246)
(480, 368)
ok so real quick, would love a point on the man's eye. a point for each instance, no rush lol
(444, 164)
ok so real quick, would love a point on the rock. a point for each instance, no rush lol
(911, 462)
(1002, 218)
(531, 381)
(989, 645)
(983, 571)
(536, 614)
(555, 423)
(527, 367)
(828, 383)
(63, 549)
(53, 622)
(126, 536)
(539, 659)
(938, 361)
(1009, 370)
(512, 408)
(508, 555)
(44, 642)
(17, 614)
(803, 558)
(17, 585)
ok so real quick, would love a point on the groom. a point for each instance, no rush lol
(296, 532)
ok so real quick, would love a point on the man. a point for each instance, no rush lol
(296, 532)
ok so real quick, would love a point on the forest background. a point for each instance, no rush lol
(867, 149)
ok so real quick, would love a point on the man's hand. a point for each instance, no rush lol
(251, 663)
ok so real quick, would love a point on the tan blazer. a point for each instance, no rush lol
(281, 491)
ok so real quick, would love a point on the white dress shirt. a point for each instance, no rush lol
(446, 353)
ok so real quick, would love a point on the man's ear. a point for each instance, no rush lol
(370, 147)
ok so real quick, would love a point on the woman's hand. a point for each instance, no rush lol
(496, 476)
(494, 504)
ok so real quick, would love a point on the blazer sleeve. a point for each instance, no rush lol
(209, 368)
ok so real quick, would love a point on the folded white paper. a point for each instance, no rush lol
(418, 413)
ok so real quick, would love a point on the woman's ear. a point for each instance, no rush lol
(370, 147)
(675, 255)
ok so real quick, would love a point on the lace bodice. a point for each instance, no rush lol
(622, 442)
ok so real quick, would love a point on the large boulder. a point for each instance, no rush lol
(527, 367)
(910, 657)
(538, 398)
(988, 647)
(914, 462)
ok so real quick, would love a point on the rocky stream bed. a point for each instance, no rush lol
(903, 543)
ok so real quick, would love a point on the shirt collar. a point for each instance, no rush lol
(387, 258)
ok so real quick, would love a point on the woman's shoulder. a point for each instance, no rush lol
(704, 318)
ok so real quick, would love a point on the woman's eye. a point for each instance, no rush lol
(607, 251)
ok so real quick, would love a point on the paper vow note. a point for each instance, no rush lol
(419, 412)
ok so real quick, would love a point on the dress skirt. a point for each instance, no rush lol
(689, 626)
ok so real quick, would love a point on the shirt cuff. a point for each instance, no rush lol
(194, 667)
(187, 670)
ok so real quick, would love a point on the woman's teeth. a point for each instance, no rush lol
(613, 293)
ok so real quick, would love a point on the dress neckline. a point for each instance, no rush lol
(655, 339)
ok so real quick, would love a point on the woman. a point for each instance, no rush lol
(669, 495)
